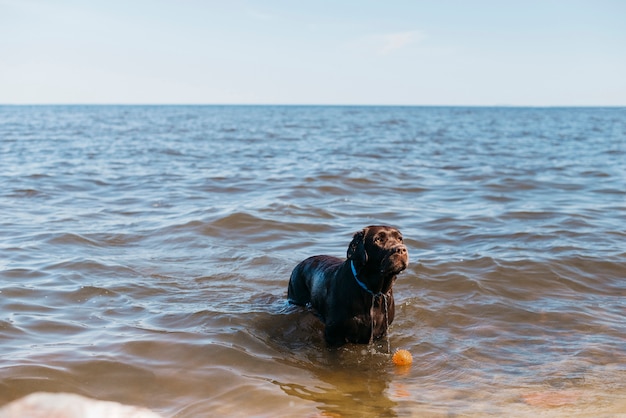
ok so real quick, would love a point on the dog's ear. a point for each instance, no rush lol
(356, 250)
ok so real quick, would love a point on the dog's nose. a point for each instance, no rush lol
(401, 249)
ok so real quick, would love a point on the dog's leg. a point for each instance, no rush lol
(334, 335)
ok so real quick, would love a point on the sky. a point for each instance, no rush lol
(366, 52)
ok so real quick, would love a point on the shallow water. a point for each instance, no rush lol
(146, 253)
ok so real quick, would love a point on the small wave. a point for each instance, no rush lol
(22, 273)
(26, 193)
(85, 293)
(80, 268)
(99, 239)
(393, 122)
(72, 239)
(253, 227)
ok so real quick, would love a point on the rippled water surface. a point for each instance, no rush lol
(146, 251)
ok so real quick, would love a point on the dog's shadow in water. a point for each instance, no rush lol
(352, 380)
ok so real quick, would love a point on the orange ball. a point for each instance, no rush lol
(402, 358)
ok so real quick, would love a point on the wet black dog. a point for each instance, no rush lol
(353, 297)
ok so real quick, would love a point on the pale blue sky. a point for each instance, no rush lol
(538, 53)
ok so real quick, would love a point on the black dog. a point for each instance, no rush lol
(354, 298)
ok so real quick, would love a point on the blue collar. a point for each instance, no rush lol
(363, 286)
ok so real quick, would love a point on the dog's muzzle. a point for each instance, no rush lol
(397, 259)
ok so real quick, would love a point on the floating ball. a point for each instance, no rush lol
(402, 358)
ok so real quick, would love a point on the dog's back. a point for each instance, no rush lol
(308, 279)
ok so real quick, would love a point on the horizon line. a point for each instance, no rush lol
(322, 105)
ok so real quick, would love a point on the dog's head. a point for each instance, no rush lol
(378, 251)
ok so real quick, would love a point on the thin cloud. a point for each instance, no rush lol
(385, 43)
(259, 15)
(392, 42)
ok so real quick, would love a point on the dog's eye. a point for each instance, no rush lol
(400, 238)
